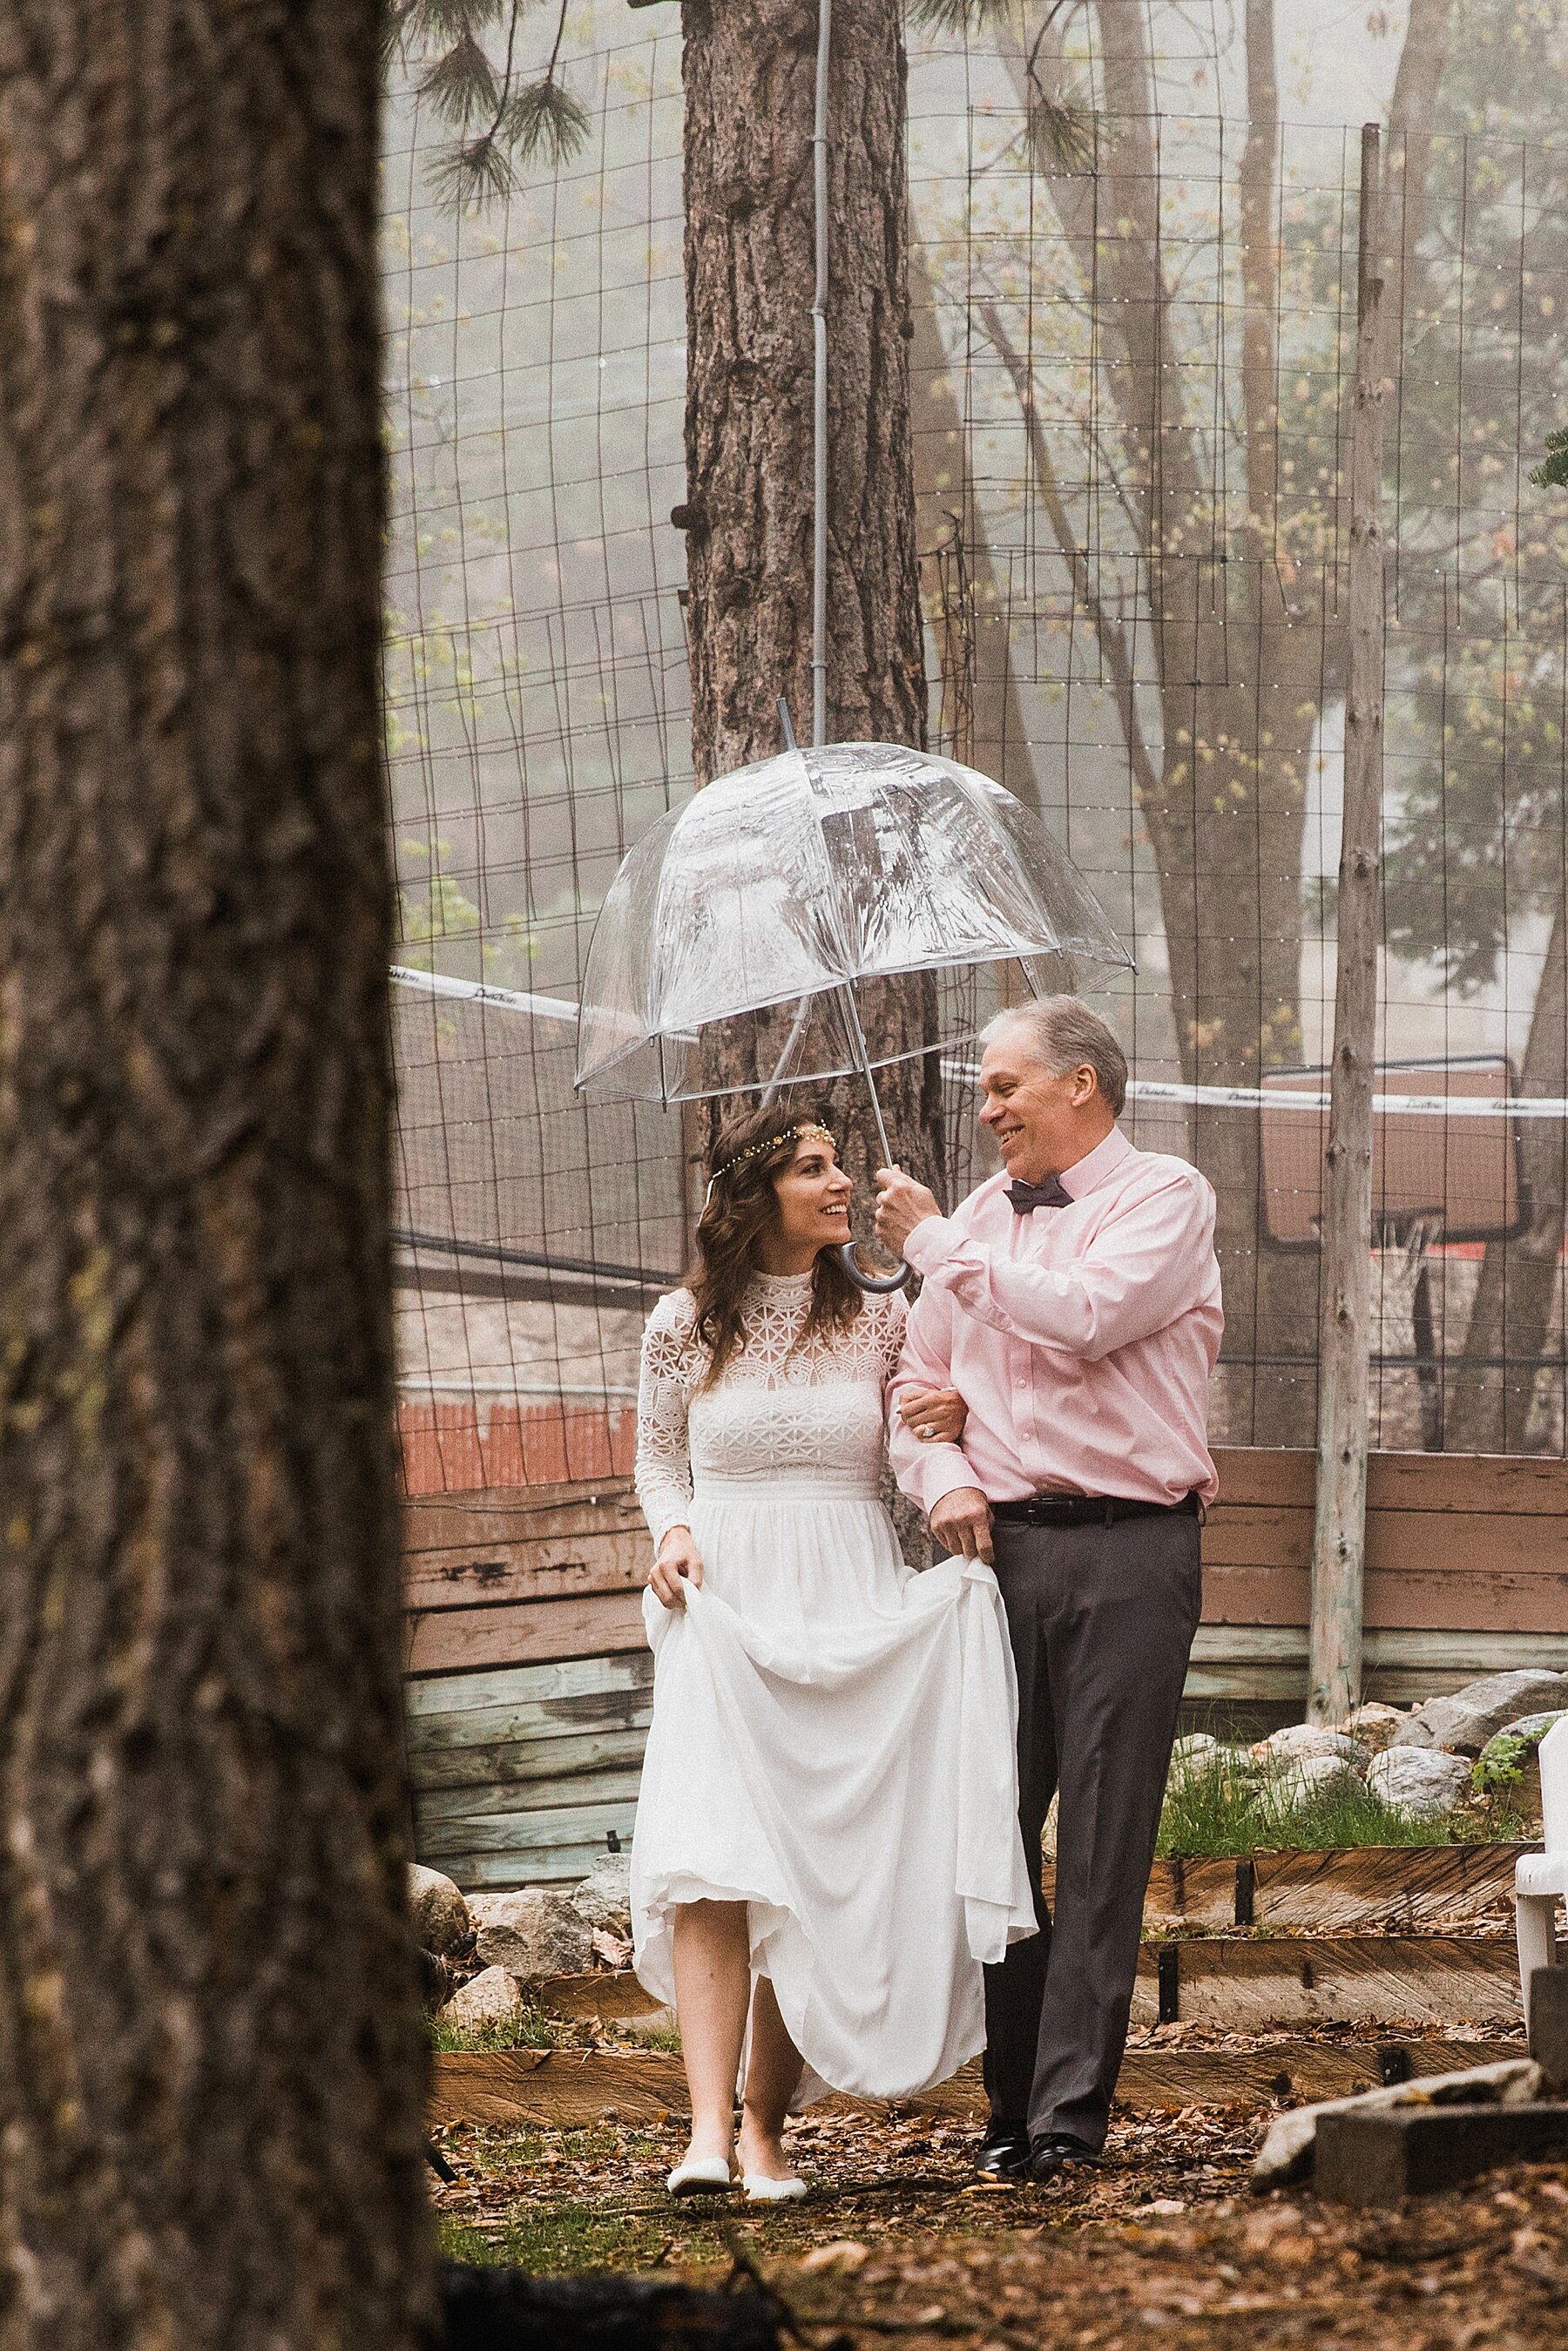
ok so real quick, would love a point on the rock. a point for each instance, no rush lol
(1529, 1726)
(532, 1933)
(603, 1898)
(441, 1920)
(489, 1998)
(1465, 1719)
(1197, 1750)
(1300, 1742)
(1418, 1781)
(1372, 1726)
(1287, 2149)
(1301, 1777)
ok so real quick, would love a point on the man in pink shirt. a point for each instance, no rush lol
(1074, 1302)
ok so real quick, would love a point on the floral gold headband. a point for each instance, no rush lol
(807, 1132)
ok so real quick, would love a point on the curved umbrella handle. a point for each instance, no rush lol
(870, 1282)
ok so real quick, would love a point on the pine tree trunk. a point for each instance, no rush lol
(210, 2067)
(749, 86)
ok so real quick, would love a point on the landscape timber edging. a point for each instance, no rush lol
(565, 2089)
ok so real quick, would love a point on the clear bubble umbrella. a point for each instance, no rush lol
(802, 882)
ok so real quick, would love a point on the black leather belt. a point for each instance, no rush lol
(1088, 1509)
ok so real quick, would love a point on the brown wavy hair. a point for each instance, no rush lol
(740, 1207)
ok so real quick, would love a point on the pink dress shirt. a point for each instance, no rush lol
(1080, 1338)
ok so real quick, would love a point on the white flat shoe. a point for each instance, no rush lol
(760, 2189)
(702, 2175)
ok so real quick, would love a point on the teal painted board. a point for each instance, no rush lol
(506, 1687)
(482, 1873)
(528, 1833)
(435, 1735)
(568, 1788)
(521, 1763)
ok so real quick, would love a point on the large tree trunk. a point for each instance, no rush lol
(210, 2062)
(749, 83)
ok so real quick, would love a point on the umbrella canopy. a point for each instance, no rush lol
(796, 882)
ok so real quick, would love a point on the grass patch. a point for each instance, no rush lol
(529, 2028)
(1217, 1809)
(564, 2239)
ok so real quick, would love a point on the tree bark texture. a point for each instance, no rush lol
(750, 78)
(210, 2060)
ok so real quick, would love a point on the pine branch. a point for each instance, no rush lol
(542, 119)
(545, 120)
(957, 17)
(462, 83)
(1058, 129)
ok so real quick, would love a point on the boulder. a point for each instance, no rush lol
(1464, 1720)
(532, 1933)
(1418, 1781)
(1300, 1742)
(1372, 1726)
(441, 1920)
(603, 1898)
(1288, 2145)
(1194, 1751)
(1297, 1778)
(489, 1998)
(1529, 1726)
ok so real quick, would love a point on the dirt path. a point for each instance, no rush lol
(895, 2245)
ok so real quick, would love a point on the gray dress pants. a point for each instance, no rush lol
(1102, 1620)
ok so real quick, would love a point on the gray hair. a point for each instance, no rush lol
(1065, 1035)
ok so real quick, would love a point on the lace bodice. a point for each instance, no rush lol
(784, 1408)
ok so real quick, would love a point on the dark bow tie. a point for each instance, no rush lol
(1026, 1198)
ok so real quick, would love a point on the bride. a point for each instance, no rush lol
(827, 1847)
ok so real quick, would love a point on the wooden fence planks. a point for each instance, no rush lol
(519, 1776)
(524, 1622)
(446, 1640)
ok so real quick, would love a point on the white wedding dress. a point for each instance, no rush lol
(832, 1739)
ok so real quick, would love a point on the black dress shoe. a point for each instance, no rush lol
(1003, 2153)
(1049, 2158)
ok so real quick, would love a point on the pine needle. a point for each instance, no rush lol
(958, 16)
(544, 120)
(1061, 134)
(462, 83)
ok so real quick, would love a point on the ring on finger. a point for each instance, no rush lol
(928, 1432)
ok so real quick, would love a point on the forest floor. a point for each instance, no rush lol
(896, 2242)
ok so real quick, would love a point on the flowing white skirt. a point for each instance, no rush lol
(833, 1743)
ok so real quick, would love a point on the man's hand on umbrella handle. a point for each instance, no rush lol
(936, 1415)
(902, 1204)
(961, 1523)
(676, 1563)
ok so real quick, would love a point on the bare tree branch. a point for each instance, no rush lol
(1109, 632)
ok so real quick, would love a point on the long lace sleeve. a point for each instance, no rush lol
(663, 1473)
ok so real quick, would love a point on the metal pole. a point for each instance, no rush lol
(820, 388)
(847, 1255)
(1339, 1540)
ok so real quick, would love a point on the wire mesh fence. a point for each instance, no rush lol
(1134, 271)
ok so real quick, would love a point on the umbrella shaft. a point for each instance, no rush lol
(851, 1014)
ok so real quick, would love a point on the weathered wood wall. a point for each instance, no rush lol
(530, 1682)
